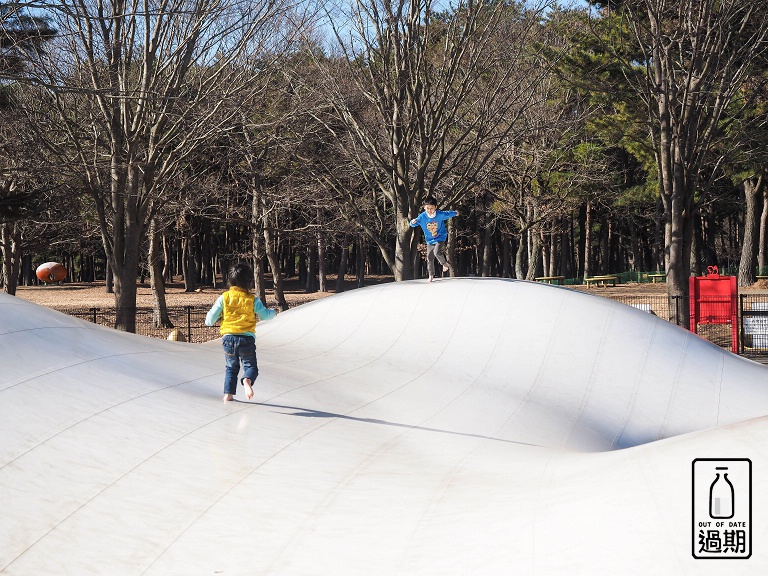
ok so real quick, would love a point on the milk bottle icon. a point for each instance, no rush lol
(721, 495)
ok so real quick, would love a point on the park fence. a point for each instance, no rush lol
(717, 325)
(188, 322)
(751, 320)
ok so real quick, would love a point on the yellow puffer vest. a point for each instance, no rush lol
(237, 317)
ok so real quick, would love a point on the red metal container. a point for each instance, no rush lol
(713, 301)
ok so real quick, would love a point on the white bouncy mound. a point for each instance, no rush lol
(464, 426)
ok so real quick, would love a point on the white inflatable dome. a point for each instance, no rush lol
(467, 426)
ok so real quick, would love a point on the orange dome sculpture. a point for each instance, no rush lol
(51, 272)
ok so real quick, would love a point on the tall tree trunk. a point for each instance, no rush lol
(634, 258)
(588, 240)
(520, 255)
(553, 260)
(708, 240)
(534, 266)
(695, 251)
(10, 243)
(611, 251)
(679, 235)
(753, 189)
(122, 244)
(405, 252)
(160, 317)
(546, 253)
(190, 272)
(565, 249)
(342, 272)
(487, 253)
(506, 256)
(274, 265)
(451, 248)
(109, 279)
(360, 261)
(289, 260)
(658, 236)
(580, 243)
(257, 221)
(321, 273)
(28, 275)
(167, 261)
(311, 261)
(762, 257)
(206, 259)
(124, 277)
(261, 223)
(572, 258)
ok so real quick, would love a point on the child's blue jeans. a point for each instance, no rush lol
(238, 348)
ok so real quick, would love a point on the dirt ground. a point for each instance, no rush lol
(94, 294)
(79, 295)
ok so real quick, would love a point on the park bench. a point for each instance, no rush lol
(660, 276)
(551, 279)
(601, 281)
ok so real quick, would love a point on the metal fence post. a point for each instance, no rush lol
(189, 323)
(741, 323)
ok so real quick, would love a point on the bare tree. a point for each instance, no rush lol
(551, 168)
(160, 318)
(22, 34)
(754, 191)
(419, 95)
(259, 142)
(136, 87)
(697, 54)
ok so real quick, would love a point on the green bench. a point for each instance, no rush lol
(601, 281)
(551, 279)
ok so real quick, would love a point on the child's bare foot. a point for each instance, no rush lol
(445, 267)
(228, 397)
(248, 388)
(431, 278)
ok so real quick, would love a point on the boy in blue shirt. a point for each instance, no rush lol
(432, 222)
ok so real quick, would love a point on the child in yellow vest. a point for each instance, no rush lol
(238, 309)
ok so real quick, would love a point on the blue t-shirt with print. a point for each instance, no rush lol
(434, 228)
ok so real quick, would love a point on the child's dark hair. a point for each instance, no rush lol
(430, 200)
(241, 275)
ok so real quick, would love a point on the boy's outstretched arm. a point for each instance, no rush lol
(215, 312)
(262, 311)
